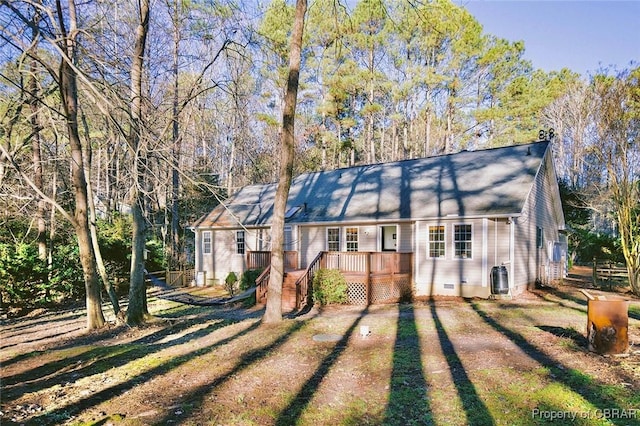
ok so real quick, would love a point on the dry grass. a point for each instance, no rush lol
(446, 362)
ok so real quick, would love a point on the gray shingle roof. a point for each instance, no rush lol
(491, 182)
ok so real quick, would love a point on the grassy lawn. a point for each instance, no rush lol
(448, 362)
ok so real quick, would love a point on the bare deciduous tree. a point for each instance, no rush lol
(273, 312)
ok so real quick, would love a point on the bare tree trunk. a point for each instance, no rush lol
(137, 310)
(176, 139)
(37, 155)
(102, 270)
(69, 94)
(273, 312)
(52, 214)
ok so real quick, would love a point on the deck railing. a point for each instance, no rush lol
(371, 262)
(303, 284)
(262, 284)
(372, 277)
(262, 259)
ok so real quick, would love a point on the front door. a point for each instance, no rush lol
(389, 238)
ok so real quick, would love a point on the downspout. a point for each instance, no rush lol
(197, 253)
(485, 249)
(512, 241)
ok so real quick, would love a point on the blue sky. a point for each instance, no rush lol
(583, 36)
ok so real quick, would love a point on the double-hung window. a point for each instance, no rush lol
(288, 238)
(539, 237)
(240, 242)
(333, 239)
(351, 235)
(436, 241)
(462, 241)
(206, 242)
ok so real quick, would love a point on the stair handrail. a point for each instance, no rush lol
(303, 284)
(262, 283)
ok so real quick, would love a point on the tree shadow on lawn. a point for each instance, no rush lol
(580, 383)
(291, 414)
(18, 326)
(100, 359)
(408, 389)
(577, 338)
(634, 306)
(25, 339)
(476, 411)
(195, 398)
(73, 408)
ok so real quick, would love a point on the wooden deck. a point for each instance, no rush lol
(372, 277)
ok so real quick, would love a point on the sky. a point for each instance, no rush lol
(584, 36)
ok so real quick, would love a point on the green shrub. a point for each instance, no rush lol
(230, 283)
(23, 276)
(249, 278)
(329, 287)
(67, 275)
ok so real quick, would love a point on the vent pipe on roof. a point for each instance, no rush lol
(528, 150)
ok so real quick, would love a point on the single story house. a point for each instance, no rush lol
(460, 220)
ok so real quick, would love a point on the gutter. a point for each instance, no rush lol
(376, 222)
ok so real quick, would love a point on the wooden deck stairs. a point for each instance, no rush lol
(289, 290)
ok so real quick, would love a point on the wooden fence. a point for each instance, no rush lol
(609, 273)
(182, 278)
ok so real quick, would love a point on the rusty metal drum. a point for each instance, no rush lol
(607, 326)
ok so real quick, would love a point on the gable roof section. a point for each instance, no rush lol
(491, 182)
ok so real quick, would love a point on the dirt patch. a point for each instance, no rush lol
(438, 361)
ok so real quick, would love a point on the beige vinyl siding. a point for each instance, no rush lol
(368, 238)
(540, 211)
(497, 243)
(217, 269)
(204, 262)
(312, 241)
(449, 275)
(223, 258)
(405, 237)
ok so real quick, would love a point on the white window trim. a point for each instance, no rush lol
(453, 241)
(429, 242)
(346, 246)
(288, 245)
(206, 234)
(326, 237)
(244, 242)
(539, 237)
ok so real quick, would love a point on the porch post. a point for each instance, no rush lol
(367, 275)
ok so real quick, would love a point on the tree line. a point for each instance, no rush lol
(124, 121)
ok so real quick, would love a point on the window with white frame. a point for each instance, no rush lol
(351, 238)
(240, 242)
(539, 237)
(436, 241)
(462, 241)
(288, 238)
(333, 239)
(206, 242)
